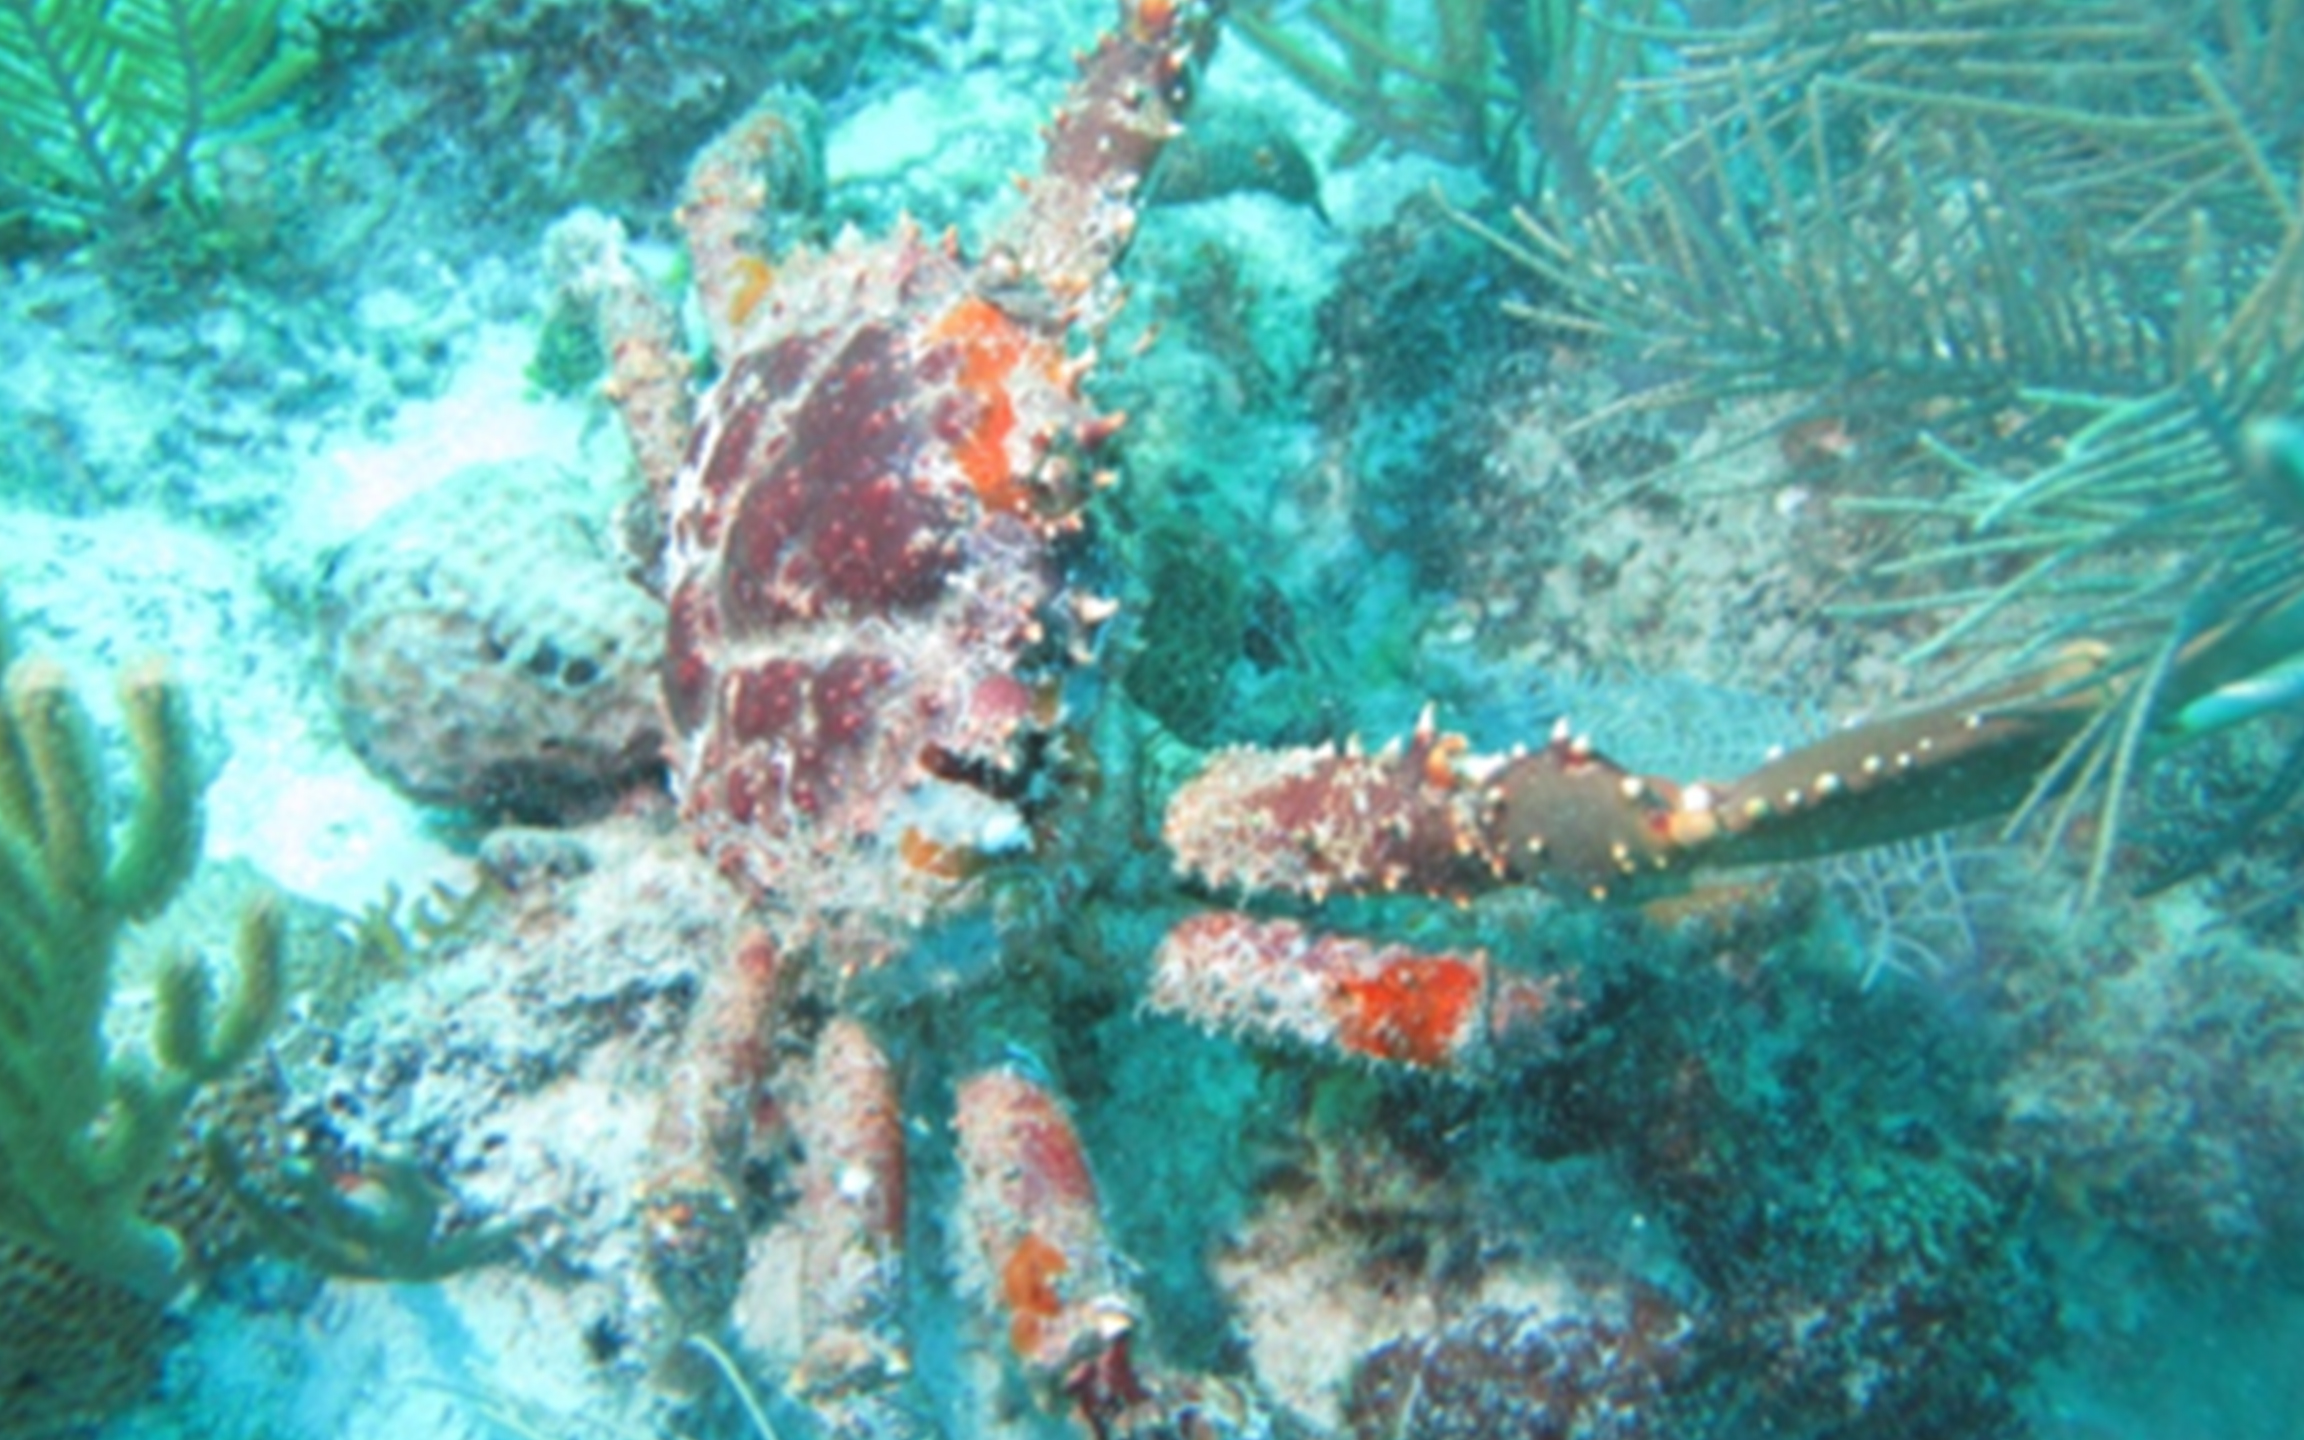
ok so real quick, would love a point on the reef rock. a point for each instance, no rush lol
(488, 649)
(1526, 1372)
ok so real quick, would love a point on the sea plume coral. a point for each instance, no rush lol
(2044, 269)
(108, 107)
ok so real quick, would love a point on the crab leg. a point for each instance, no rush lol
(1905, 776)
(1047, 1267)
(852, 1207)
(1274, 979)
(648, 369)
(725, 202)
(1428, 818)
(1432, 818)
(693, 1230)
(1031, 1202)
(1079, 212)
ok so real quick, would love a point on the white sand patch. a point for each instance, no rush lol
(486, 413)
(298, 807)
(104, 592)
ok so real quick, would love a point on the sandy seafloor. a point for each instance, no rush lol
(177, 476)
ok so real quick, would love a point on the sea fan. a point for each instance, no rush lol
(111, 107)
(1519, 89)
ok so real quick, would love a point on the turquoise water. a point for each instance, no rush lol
(1580, 726)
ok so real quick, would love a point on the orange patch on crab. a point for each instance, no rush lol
(753, 277)
(1440, 760)
(1028, 1286)
(991, 346)
(934, 857)
(1155, 18)
(1410, 1011)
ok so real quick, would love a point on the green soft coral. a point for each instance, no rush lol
(83, 1133)
(110, 107)
(1522, 91)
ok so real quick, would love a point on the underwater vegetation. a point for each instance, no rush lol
(82, 1136)
(104, 1219)
(112, 111)
(1520, 90)
(2035, 277)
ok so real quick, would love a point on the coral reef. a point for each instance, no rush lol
(956, 1050)
(1189, 630)
(546, 105)
(1543, 1374)
(522, 1074)
(1231, 149)
(2157, 1058)
(75, 1348)
(380, 1222)
(1521, 92)
(874, 672)
(78, 1348)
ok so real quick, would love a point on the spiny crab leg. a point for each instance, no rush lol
(1029, 1198)
(707, 1122)
(1079, 212)
(1277, 980)
(852, 1214)
(1908, 775)
(723, 210)
(648, 369)
(1432, 818)
(1046, 1266)
(1984, 755)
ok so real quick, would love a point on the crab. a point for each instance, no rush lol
(879, 664)
(876, 652)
